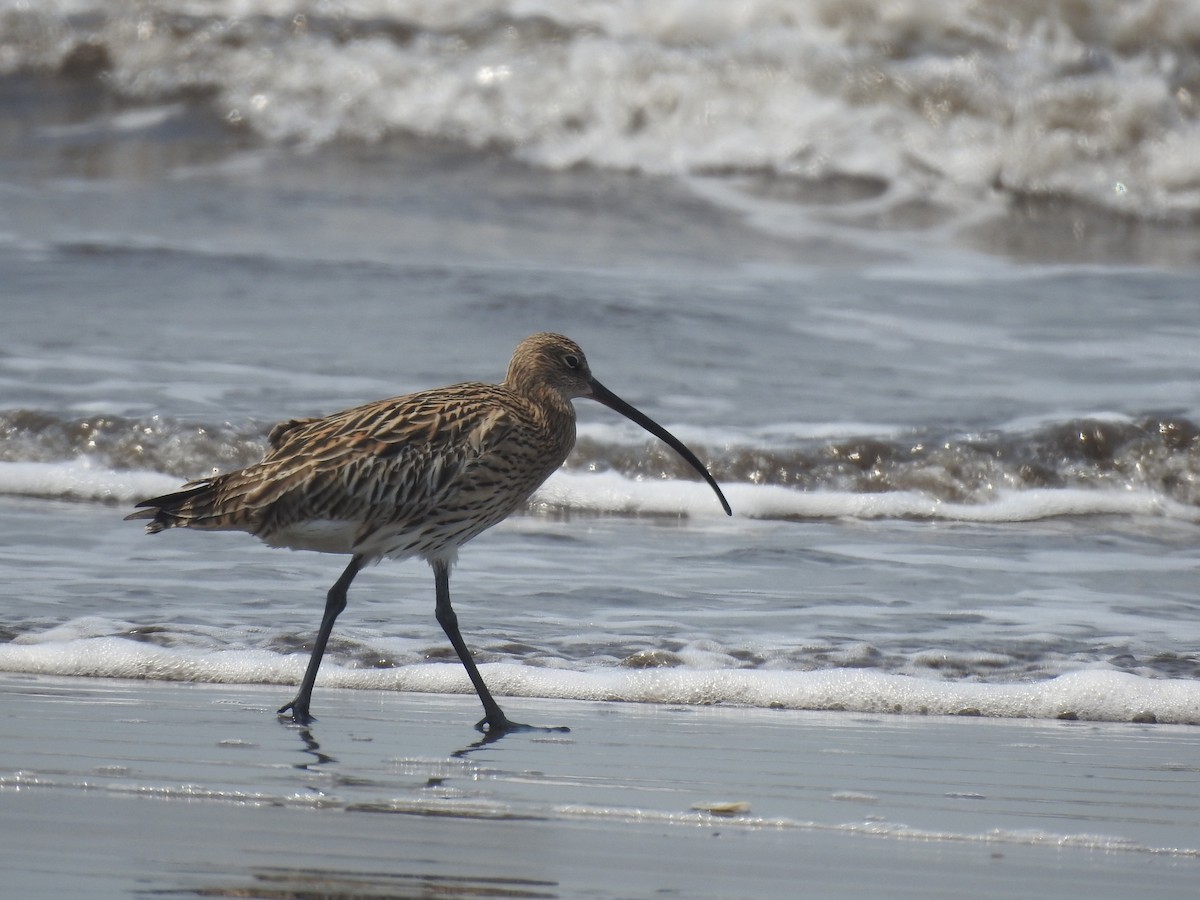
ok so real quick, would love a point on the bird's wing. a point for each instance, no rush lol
(393, 460)
(279, 433)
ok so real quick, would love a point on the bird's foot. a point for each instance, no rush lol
(299, 712)
(495, 726)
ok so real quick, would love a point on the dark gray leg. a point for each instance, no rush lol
(494, 718)
(335, 602)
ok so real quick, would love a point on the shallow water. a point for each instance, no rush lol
(1048, 620)
(963, 481)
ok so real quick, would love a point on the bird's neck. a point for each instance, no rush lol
(552, 411)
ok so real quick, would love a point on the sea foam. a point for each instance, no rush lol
(610, 493)
(1091, 695)
(79, 479)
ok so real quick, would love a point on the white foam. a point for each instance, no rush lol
(81, 480)
(609, 492)
(1094, 695)
(1089, 695)
(117, 657)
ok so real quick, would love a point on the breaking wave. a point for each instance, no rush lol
(908, 112)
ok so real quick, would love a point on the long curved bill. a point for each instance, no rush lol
(601, 394)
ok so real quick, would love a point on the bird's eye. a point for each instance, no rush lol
(571, 360)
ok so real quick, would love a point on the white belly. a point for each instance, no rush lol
(321, 535)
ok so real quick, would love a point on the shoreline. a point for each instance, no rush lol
(197, 789)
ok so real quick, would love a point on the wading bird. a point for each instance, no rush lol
(418, 475)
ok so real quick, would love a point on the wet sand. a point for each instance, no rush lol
(121, 788)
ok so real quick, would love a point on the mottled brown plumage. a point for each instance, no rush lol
(418, 475)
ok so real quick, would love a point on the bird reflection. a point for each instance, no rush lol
(491, 737)
(313, 749)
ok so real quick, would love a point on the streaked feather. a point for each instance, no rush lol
(459, 459)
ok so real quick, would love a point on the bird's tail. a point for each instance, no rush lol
(195, 506)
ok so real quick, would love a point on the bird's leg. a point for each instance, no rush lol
(335, 602)
(494, 717)
(495, 723)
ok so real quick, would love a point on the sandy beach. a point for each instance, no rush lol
(122, 788)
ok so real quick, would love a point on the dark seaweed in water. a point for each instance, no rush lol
(1160, 453)
(1156, 452)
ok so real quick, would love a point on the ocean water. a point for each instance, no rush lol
(917, 281)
